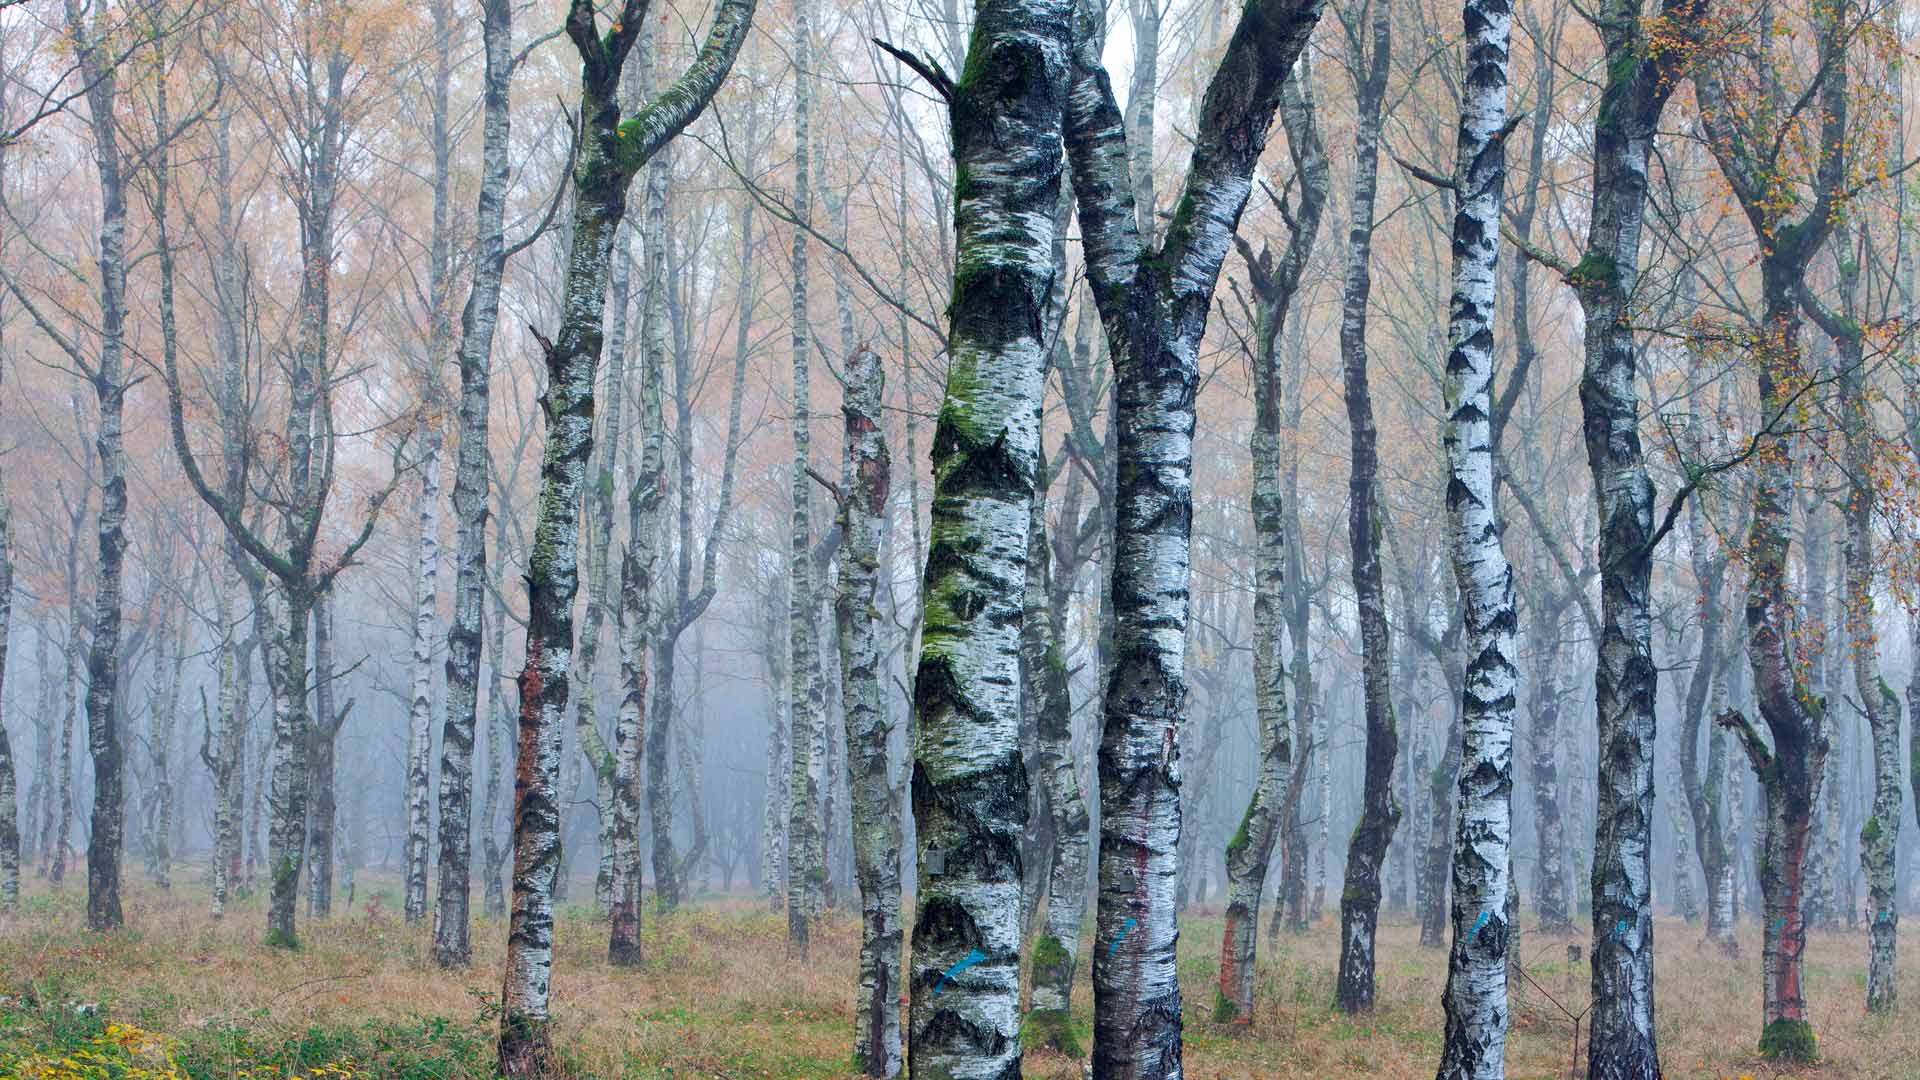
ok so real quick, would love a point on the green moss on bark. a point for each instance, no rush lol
(1051, 1029)
(1788, 1040)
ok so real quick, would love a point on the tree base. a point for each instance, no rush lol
(1052, 1029)
(1788, 1040)
(526, 1050)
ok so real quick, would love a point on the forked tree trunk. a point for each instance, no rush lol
(1153, 300)
(609, 152)
(1251, 850)
(1476, 994)
(1379, 810)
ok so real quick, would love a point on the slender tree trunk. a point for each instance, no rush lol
(608, 154)
(500, 741)
(1251, 850)
(451, 947)
(876, 824)
(970, 784)
(1438, 851)
(326, 732)
(1705, 789)
(9, 795)
(426, 594)
(806, 855)
(1055, 954)
(1476, 994)
(1380, 812)
(109, 385)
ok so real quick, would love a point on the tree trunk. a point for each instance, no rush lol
(608, 154)
(326, 730)
(1153, 301)
(9, 796)
(1251, 849)
(876, 823)
(1380, 812)
(970, 784)
(1438, 851)
(806, 855)
(1055, 954)
(426, 593)
(451, 946)
(1476, 994)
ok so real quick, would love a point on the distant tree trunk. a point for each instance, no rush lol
(426, 577)
(1055, 955)
(773, 808)
(9, 795)
(608, 154)
(1476, 994)
(225, 759)
(1153, 300)
(478, 320)
(1251, 850)
(806, 855)
(645, 493)
(499, 737)
(1705, 790)
(1434, 857)
(164, 711)
(1880, 833)
(876, 822)
(970, 784)
(326, 730)
(1380, 813)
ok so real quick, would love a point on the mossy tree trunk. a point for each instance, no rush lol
(608, 154)
(1274, 286)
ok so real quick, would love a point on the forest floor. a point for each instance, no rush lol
(717, 998)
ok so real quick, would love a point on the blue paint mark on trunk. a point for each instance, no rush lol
(973, 957)
(1121, 936)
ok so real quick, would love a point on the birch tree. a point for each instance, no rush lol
(478, 320)
(970, 784)
(1153, 300)
(1741, 114)
(1476, 994)
(1379, 811)
(1274, 286)
(9, 793)
(609, 152)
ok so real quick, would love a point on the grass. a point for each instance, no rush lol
(178, 995)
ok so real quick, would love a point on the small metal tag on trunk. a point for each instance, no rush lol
(935, 861)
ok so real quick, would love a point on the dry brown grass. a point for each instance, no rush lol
(718, 998)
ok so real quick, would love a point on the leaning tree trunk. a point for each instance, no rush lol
(1476, 994)
(608, 154)
(970, 797)
(1379, 810)
(452, 899)
(876, 824)
(1250, 851)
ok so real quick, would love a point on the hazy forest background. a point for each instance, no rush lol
(726, 538)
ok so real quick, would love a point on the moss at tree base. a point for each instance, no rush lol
(1052, 1029)
(1788, 1040)
(1224, 1011)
